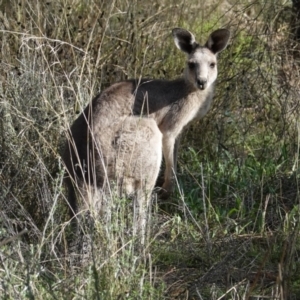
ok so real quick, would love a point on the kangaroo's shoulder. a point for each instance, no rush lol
(151, 95)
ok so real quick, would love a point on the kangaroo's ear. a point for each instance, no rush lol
(218, 40)
(184, 40)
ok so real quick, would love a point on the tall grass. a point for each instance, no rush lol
(232, 228)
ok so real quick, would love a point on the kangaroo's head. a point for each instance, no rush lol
(201, 70)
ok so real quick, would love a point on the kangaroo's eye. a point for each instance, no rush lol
(212, 65)
(191, 65)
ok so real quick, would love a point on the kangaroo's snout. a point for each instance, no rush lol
(202, 83)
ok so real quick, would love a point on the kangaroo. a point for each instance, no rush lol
(120, 134)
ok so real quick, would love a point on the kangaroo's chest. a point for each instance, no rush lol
(182, 112)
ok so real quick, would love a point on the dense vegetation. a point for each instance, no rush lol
(231, 230)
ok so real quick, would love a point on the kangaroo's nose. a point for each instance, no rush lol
(202, 83)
